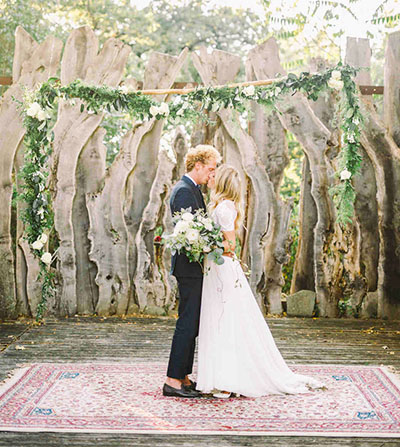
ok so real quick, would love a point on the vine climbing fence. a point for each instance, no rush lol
(105, 217)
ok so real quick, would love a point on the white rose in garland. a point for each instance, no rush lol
(345, 174)
(153, 110)
(215, 107)
(336, 75)
(42, 115)
(37, 245)
(46, 258)
(249, 90)
(33, 109)
(124, 89)
(335, 81)
(164, 109)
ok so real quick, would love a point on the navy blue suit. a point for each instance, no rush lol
(189, 276)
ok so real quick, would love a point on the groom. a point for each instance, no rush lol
(200, 163)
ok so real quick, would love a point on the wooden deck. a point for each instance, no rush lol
(112, 339)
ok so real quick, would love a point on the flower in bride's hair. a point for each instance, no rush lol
(192, 235)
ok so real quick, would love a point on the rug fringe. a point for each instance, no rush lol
(13, 377)
(392, 373)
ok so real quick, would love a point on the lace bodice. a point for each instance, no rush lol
(225, 214)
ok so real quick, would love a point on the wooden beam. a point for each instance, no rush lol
(371, 89)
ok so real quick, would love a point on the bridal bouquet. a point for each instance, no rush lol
(195, 235)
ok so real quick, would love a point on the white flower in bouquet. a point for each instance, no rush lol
(345, 174)
(192, 235)
(46, 258)
(196, 237)
(181, 227)
(43, 238)
(37, 245)
(249, 90)
(187, 216)
(208, 226)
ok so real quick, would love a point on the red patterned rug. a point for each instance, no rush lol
(127, 398)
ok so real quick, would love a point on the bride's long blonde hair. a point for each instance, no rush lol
(227, 187)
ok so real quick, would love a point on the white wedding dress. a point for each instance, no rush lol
(236, 350)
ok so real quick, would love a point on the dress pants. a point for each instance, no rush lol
(187, 327)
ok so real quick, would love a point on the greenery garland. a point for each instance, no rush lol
(38, 110)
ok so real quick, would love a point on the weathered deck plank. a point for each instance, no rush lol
(148, 339)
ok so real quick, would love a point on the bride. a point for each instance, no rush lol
(236, 350)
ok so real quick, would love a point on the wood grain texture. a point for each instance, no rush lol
(313, 341)
(33, 64)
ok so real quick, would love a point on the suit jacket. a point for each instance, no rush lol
(185, 194)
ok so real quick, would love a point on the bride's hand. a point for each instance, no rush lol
(229, 244)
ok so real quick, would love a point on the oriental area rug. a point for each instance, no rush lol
(359, 401)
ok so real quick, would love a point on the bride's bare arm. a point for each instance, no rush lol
(229, 243)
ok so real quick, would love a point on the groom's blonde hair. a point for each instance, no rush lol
(202, 153)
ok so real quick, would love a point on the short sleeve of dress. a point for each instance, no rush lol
(226, 214)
